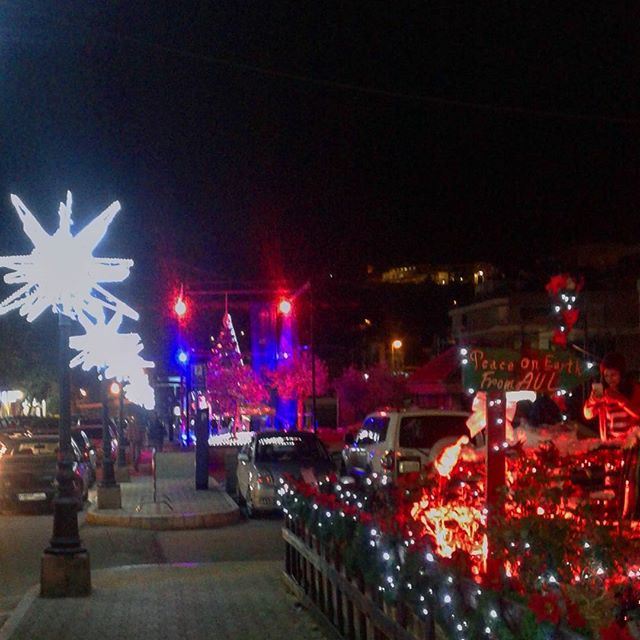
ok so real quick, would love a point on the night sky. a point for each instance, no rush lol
(265, 139)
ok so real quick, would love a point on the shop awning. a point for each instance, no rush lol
(437, 376)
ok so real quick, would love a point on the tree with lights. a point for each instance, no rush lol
(230, 384)
(293, 380)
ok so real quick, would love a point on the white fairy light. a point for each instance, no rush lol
(61, 271)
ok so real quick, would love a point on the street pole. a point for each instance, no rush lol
(313, 363)
(108, 476)
(496, 468)
(108, 492)
(188, 407)
(122, 458)
(65, 568)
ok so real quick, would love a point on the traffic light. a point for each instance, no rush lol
(285, 306)
(180, 307)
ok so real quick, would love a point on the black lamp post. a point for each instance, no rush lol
(108, 474)
(122, 458)
(65, 570)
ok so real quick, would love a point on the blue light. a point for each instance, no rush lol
(182, 356)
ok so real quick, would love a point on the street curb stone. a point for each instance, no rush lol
(16, 616)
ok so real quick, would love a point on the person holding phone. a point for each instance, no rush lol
(615, 401)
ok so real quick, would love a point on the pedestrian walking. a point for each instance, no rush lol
(136, 434)
(157, 433)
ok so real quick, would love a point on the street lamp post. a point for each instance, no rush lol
(108, 475)
(62, 274)
(285, 307)
(65, 551)
(396, 345)
(108, 492)
(122, 458)
(121, 471)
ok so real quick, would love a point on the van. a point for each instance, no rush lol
(392, 443)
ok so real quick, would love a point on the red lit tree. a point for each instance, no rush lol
(293, 380)
(230, 384)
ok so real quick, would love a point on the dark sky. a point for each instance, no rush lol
(263, 139)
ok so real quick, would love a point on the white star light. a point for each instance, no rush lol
(117, 355)
(61, 271)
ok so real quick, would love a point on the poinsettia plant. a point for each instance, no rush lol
(562, 565)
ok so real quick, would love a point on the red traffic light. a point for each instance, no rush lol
(285, 307)
(180, 308)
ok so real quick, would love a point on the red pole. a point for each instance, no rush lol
(496, 467)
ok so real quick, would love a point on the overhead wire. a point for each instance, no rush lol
(355, 88)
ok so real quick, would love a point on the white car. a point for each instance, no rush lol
(272, 455)
(392, 443)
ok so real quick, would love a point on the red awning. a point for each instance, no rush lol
(437, 375)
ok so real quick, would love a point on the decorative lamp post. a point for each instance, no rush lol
(121, 470)
(62, 274)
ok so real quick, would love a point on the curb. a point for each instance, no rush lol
(16, 616)
(162, 522)
(178, 519)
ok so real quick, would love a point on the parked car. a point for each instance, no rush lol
(28, 466)
(268, 457)
(79, 436)
(87, 450)
(93, 430)
(392, 443)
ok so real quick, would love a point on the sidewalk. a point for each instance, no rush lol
(223, 600)
(226, 601)
(178, 505)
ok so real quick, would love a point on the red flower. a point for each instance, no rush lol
(615, 632)
(559, 337)
(545, 608)
(557, 283)
(570, 317)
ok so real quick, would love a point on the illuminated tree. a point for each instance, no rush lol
(230, 384)
(293, 380)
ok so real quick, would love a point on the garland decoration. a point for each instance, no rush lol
(423, 542)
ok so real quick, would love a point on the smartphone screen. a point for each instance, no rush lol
(597, 389)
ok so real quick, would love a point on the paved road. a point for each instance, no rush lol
(23, 538)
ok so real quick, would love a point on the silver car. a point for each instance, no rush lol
(273, 454)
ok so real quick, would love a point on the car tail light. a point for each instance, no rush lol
(265, 478)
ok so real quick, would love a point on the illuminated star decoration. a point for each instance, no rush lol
(61, 271)
(116, 355)
(140, 392)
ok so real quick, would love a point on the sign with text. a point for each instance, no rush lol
(509, 370)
